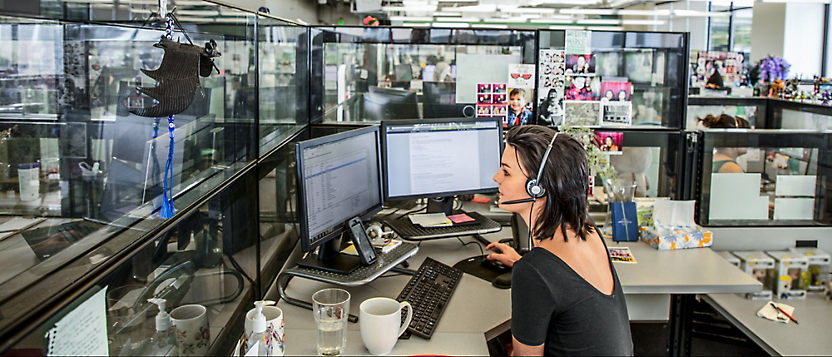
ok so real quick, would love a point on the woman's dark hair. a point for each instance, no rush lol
(565, 178)
(724, 121)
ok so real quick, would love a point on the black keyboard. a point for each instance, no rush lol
(428, 292)
(409, 231)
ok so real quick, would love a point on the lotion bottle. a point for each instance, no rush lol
(258, 341)
(163, 341)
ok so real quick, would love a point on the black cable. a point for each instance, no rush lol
(482, 252)
(239, 269)
(391, 213)
(531, 212)
(413, 211)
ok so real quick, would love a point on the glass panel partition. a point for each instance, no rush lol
(753, 110)
(766, 178)
(372, 74)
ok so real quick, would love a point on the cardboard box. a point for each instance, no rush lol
(730, 258)
(676, 237)
(760, 266)
(790, 268)
(820, 264)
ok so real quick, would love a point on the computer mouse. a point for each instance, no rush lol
(503, 281)
(494, 265)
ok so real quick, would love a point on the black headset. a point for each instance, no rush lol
(533, 187)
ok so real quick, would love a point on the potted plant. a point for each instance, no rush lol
(769, 70)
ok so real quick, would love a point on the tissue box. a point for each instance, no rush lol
(677, 237)
(761, 267)
(791, 269)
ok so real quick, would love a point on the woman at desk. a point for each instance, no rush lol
(566, 298)
(725, 159)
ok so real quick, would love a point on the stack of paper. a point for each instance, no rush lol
(431, 220)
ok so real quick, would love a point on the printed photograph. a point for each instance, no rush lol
(550, 107)
(580, 65)
(581, 88)
(616, 91)
(484, 88)
(498, 87)
(484, 99)
(581, 113)
(616, 113)
(520, 101)
(610, 142)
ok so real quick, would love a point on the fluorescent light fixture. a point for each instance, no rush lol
(451, 24)
(458, 0)
(474, 8)
(488, 26)
(694, 13)
(588, 11)
(500, 20)
(565, 27)
(643, 22)
(531, 10)
(425, 8)
(563, 2)
(418, 24)
(237, 20)
(552, 20)
(663, 12)
(446, 13)
(605, 28)
(197, 12)
(411, 18)
(458, 19)
(598, 22)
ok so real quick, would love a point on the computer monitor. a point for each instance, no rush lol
(440, 157)
(338, 179)
(388, 103)
(440, 101)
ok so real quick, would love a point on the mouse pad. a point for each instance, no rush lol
(473, 266)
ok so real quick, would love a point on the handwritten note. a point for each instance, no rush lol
(83, 331)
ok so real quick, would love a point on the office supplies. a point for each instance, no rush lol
(819, 267)
(775, 311)
(430, 220)
(791, 269)
(783, 312)
(760, 266)
(429, 292)
(338, 179)
(624, 222)
(406, 230)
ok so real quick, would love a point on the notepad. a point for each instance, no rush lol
(431, 220)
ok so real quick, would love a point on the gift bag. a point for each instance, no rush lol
(624, 222)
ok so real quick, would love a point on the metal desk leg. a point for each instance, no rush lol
(283, 282)
(681, 317)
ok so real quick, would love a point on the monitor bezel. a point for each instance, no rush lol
(332, 232)
(383, 135)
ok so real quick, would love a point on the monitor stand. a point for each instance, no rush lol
(330, 258)
(441, 205)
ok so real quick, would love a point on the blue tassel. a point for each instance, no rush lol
(168, 210)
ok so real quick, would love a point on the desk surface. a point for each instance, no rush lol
(478, 309)
(810, 337)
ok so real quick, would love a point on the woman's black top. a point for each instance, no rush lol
(552, 304)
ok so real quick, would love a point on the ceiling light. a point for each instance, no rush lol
(451, 24)
(552, 20)
(197, 12)
(458, 19)
(424, 7)
(563, 2)
(458, 0)
(664, 12)
(605, 28)
(411, 18)
(418, 24)
(489, 26)
(598, 22)
(531, 10)
(694, 13)
(497, 19)
(446, 13)
(565, 27)
(643, 22)
(588, 11)
(474, 8)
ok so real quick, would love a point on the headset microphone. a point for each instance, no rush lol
(516, 201)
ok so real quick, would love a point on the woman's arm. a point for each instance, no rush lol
(519, 349)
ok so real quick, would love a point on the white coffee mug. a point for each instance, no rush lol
(381, 325)
(192, 334)
(274, 328)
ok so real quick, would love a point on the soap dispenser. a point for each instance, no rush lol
(163, 341)
(258, 341)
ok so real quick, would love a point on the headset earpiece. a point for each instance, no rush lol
(533, 187)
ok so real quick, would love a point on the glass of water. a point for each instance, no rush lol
(331, 308)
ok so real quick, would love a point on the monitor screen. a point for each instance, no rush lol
(338, 179)
(440, 157)
(389, 103)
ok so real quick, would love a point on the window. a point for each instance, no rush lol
(730, 33)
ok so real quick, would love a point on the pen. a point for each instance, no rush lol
(784, 313)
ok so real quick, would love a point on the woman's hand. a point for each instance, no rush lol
(504, 254)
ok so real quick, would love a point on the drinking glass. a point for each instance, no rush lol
(331, 308)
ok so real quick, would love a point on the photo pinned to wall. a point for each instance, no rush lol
(550, 107)
(484, 98)
(492, 100)
(553, 69)
(553, 82)
(616, 91)
(616, 113)
(581, 113)
(580, 65)
(484, 88)
(520, 76)
(578, 42)
(520, 101)
(498, 88)
(610, 141)
(582, 88)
